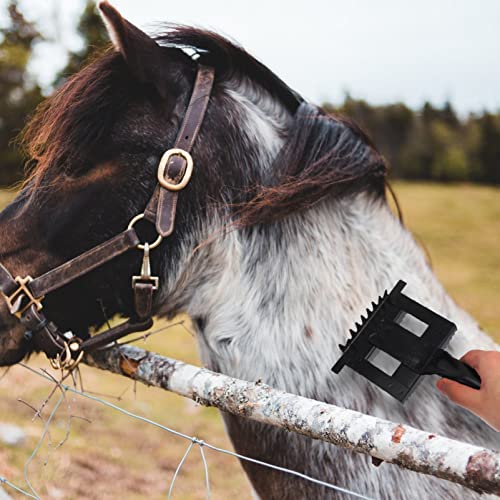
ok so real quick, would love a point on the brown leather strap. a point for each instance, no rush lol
(162, 206)
(69, 271)
(46, 335)
(143, 300)
(84, 263)
(73, 269)
(115, 333)
(7, 282)
(49, 339)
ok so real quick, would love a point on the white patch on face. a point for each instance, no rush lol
(266, 119)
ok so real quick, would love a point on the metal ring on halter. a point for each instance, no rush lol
(173, 186)
(140, 246)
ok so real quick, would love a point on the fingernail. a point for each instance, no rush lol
(440, 385)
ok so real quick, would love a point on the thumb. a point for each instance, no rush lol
(459, 393)
(473, 358)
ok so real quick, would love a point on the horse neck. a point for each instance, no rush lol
(274, 302)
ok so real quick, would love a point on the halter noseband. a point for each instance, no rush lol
(24, 295)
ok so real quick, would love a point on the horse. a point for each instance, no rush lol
(283, 236)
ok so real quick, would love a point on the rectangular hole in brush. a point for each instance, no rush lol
(383, 361)
(411, 323)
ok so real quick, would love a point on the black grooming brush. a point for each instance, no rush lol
(399, 341)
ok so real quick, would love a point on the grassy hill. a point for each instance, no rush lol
(109, 455)
(459, 225)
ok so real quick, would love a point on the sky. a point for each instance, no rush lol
(382, 51)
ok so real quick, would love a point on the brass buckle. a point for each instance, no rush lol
(64, 360)
(15, 299)
(146, 279)
(167, 184)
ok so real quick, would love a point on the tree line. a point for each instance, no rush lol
(430, 143)
(20, 94)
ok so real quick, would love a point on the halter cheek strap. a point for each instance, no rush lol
(176, 164)
(24, 295)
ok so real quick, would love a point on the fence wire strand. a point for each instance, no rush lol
(179, 467)
(193, 440)
(4, 480)
(39, 444)
(207, 479)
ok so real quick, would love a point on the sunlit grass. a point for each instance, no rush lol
(6, 196)
(115, 456)
(460, 227)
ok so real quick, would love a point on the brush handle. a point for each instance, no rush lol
(445, 365)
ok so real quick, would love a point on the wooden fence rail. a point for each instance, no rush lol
(472, 466)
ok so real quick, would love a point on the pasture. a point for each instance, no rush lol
(109, 455)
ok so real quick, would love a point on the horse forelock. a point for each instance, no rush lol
(69, 127)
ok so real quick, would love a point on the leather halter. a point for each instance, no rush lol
(24, 295)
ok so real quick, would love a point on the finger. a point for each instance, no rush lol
(459, 393)
(473, 358)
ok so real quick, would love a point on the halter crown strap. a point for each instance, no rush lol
(176, 164)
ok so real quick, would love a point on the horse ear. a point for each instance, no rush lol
(143, 55)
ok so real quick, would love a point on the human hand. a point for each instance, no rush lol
(485, 402)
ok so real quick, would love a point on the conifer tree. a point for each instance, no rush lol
(19, 94)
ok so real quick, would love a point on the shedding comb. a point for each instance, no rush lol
(398, 341)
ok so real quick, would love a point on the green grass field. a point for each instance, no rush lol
(109, 455)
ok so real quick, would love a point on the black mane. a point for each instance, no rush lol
(322, 154)
(229, 59)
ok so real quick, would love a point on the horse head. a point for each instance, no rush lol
(95, 145)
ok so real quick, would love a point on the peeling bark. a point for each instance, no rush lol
(472, 466)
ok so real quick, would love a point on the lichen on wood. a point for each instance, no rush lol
(472, 466)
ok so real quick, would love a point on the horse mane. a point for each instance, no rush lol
(323, 156)
(229, 59)
(323, 153)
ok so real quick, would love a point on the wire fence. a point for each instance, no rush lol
(30, 492)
